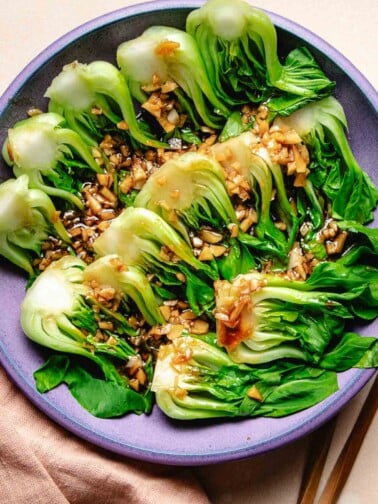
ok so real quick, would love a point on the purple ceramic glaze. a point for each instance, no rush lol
(156, 438)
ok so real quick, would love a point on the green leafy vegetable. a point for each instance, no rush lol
(130, 281)
(27, 218)
(234, 127)
(262, 318)
(79, 87)
(238, 260)
(254, 164)
(38, 145)
(238, 44)
(188, 192)
(252, 224)
(55, 313)
(103, 399)
(137, 236)
(194, 379)
(164, 54)
(361, 235)
(143, 239)
(351, 192)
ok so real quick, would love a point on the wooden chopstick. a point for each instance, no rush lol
(319, 450)
(348, 455)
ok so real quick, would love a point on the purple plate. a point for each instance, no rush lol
(156, 438)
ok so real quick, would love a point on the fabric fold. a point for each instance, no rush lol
(42, 463)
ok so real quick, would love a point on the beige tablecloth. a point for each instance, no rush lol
(41, 463)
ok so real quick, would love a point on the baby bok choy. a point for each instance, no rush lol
(194, 379)
(81, 87)
(238, 44)
(27, 218)
(248, 159)
(144, 240)
(166, 59)
(57, 313)
(261, 319)
(334, 169)
(128, 280)
(188, 192)
(43, 148)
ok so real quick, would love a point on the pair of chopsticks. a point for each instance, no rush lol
(321, 442)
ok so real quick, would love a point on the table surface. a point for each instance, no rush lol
(27, 27)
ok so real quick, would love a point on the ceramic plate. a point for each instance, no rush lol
(156, 438)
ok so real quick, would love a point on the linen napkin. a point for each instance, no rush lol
(42, 463)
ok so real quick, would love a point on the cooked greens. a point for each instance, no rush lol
(79, 87)
(238, 44)
(264, 176)
(163, 54)
(260, 319)
(334, 168)
(188, 192)
(128, 280)
(42, 145)
(57, 313)
(27, 218)
(139, 236)
(206, 244)
(194, 379)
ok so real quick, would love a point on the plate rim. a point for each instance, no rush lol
(325, 410)
(331, 406)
